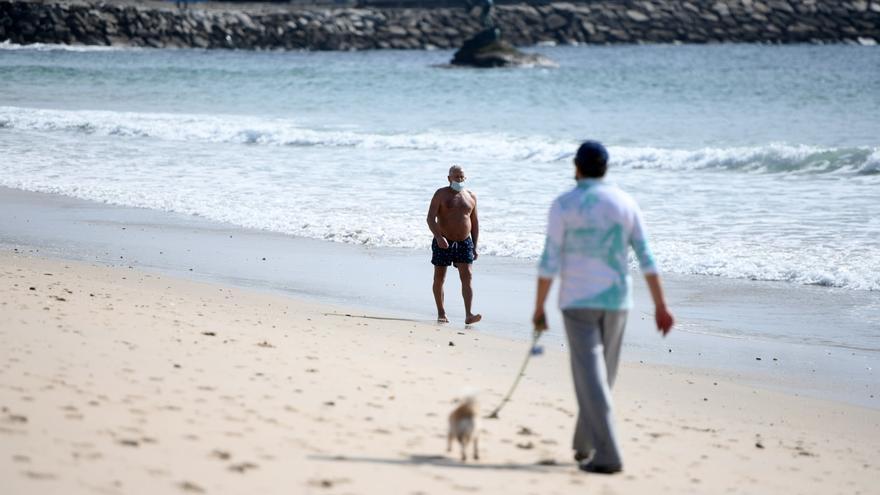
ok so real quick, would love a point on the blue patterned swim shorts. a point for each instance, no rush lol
(457, 252)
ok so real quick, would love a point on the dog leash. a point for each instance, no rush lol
(532, 351)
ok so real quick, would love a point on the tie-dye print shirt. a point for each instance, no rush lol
(589, 234)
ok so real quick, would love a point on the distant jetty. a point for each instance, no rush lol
(292, 26)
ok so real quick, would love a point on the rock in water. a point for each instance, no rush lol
(486, 50)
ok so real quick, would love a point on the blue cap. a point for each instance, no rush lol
(591, 153)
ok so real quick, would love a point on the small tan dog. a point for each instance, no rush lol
(463, 427)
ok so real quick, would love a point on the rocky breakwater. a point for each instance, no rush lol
(597, 21)
(315, 29)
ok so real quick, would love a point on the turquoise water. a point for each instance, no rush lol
(751, 162)
(667, 96)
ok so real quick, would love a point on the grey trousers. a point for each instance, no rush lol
(594, 339)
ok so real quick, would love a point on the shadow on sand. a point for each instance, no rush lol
(387, 318)
(543, 466)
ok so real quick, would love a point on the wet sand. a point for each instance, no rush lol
(811, 341)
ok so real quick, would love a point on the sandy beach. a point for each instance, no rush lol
(215, 268)
(114, 380)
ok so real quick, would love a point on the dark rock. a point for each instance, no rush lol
(487, 50)
(555, 21)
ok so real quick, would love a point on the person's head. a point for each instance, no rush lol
(456, 177)
(591, 160)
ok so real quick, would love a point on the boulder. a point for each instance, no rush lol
(486, 50)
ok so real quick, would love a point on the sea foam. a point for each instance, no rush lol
(51, 47)
(773, 158)
(356, 186)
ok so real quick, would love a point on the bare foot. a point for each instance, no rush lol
(442, 319)
(473, 319)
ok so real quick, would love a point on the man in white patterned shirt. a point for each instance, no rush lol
(589, 233)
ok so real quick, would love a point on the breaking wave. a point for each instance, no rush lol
(234, 129)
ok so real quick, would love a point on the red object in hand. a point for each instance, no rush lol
(664, 320)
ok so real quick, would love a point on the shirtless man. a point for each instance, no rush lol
(452, 218)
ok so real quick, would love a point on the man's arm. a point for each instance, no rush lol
(433, 209)
(662, 316)
(539, 319)
(550, 264)
(475, 225)
(639, 243)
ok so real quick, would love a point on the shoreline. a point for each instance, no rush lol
(720, 321)
(120, 380)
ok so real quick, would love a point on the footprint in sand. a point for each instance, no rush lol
(36, 475)
(221, 454)
(157, 472)
(327, 482)
(16, 418)
(465, 488)
(189, 486)
(242, 467)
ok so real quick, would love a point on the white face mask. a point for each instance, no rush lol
(456, 186)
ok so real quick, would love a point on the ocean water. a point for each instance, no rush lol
(750, 162)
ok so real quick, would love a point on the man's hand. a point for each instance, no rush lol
(664, 320)
(662, 317)
(539, 319)
(442, 243)
(476, 255)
